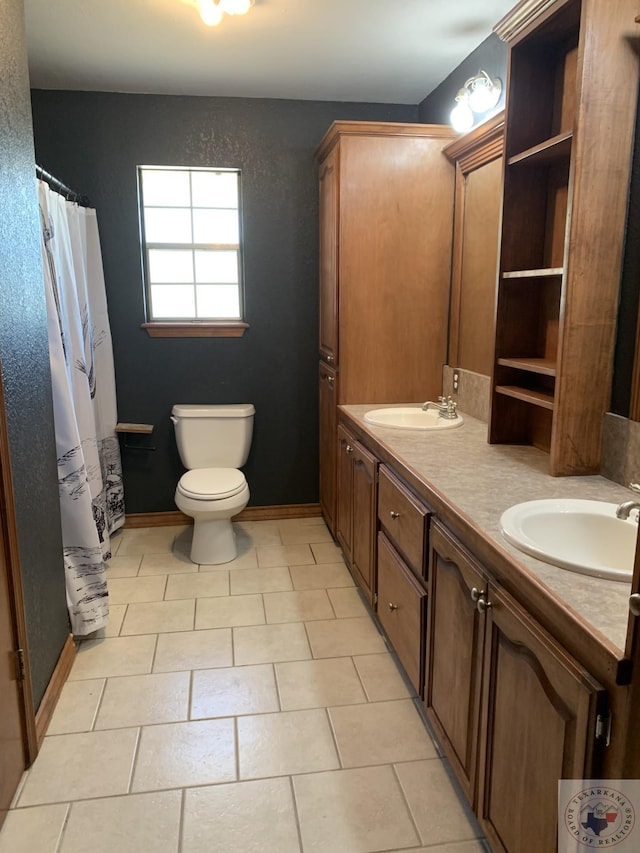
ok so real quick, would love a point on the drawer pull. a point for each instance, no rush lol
(394, 515)
(476, 594)
(348, 449)
(392, 606)
(483, 605)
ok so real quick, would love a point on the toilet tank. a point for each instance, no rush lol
(213, 436)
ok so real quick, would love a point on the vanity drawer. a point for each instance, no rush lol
(405, 521)
(401, 611)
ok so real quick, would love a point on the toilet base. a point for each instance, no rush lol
(214, 541)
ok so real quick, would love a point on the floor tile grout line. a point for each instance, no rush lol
(236, 747)
(296, 813)
(334, 738)
(406, 802)
(98, 705)
(63, 827)
(181, 820)
(134, 761)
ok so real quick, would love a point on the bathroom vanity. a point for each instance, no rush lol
(522, 667)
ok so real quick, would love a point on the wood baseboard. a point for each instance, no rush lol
(251, 513)
(52, 693)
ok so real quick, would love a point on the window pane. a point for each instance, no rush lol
(216, 267)
(167, 265)
(167, 225)
(215, 189)
(172, 301)
(165, 188)
(216, 226)
(218, 301)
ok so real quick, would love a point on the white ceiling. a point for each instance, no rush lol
(387, 51)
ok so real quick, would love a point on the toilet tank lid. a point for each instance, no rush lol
(188, 410)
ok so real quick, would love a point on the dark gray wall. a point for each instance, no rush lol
(93, 142)
(24, 357)
(490, 56)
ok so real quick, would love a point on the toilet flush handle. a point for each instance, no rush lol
(174, 420)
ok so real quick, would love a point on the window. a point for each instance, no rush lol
(191, 240)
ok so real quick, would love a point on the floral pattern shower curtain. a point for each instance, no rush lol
(84, 403)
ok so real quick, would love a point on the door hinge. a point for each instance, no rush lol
(375, 597)
(603, 728)
(19, 664)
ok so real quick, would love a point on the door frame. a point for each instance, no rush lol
(11, 556)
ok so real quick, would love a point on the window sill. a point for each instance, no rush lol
(196, 330)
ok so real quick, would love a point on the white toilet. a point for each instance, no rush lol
(213, 442)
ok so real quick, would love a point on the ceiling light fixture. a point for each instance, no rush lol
(478, 95)
(211, 11)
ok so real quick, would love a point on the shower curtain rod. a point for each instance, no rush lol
(63, 189)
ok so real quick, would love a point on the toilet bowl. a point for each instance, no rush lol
(214, 493)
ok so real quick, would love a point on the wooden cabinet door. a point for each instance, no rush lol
(327, 428)
(538, 726)
(344, 503)
(455, 632)
(328, 238)
(365, 492)
(401, 606)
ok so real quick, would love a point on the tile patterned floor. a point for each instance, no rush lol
(228, 709)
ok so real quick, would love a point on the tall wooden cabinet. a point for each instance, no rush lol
(386, 214)
(571, 100)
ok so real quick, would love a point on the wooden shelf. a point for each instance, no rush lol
(550, 272)
(141, 429)
(543, 366)
(536, 398)
(550, 151)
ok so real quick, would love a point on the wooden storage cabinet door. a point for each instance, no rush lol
(404, 520)
(538, 726)
(455, 633)
(401, 609)
(344, 503)
(328, 239)
(327, 429)
(363, 541)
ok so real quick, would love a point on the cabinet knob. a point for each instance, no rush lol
(476, 594)
(394, 515)
(348, 449)
(392, 606)
(483, 605)
(634, 604)
(330, 380)
(330, 359)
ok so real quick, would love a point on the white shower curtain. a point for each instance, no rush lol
(84, 403)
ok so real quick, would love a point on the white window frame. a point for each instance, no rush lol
(191, 326)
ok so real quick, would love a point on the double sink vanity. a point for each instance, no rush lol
(520, 664)
(526, 668)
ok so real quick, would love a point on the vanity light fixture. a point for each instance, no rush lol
(478, 95)
(211, 11)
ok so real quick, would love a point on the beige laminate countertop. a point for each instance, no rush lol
(479, 481)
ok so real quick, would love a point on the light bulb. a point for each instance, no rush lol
(485, 93)
(210, 12)
(461, 115)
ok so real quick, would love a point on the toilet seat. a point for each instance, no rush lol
(210, 484)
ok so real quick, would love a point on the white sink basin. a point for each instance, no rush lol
(411, 417)
(582, 536)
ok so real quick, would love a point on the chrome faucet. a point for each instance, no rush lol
(627, 507)
(445, 406)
